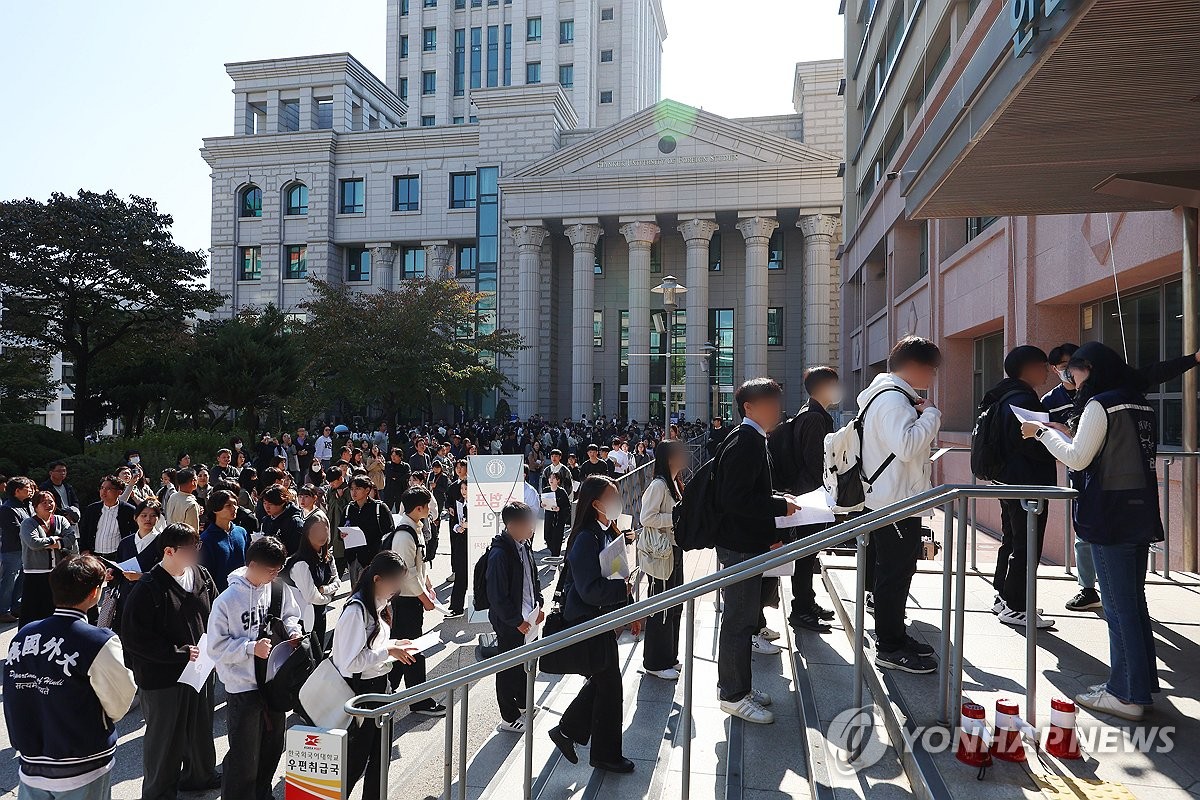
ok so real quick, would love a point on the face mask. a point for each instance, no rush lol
(135, 459)
(613, 509)
(238, 446)
(835, 397)
(1065, 376)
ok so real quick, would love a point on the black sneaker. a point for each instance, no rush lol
(808, 621)
(906, 661)
(1086, 600)
(429, 708)
(871, 602)
(918, 647)
(822, 613)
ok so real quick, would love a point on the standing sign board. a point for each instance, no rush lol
(315, 764)
(492, 481)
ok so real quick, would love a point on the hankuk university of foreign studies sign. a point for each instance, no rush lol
(1024, 15)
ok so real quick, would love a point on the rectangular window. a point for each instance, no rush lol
(406, 193)
(606, 56)
(297, 262)
(460, 62)
(353, 197)
(598, 267)
(598, 328)
(428, 121)
(324, 114)
(431, 3)
(533, 72)
(775, 327)
(459, 120)
(721, 334)
(428, 82)
(404, 88)
(404, 46)
(412, 262)
(656, 257)
(67, 423)
(606, 97)
(923, 251)
(977, 225)
(468, 256)
(463, 187)
(508, 55)
(606, 14)
(533, 29)
(68, 372)
(493, 55)
(476, 57)
(289, 115)
(566, 75)
(251, 258)
(775, 250)
(623, 348)
(429, 40)
(714, 253)
(358, 265)
(566, 31)
(459, 5)
(404, 8)
(988, 364)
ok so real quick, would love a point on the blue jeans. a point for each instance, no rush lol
(99, 789)
(741, 607)
(10, 581)
(1085, 565)
(1121, 569)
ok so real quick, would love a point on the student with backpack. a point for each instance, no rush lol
(369, 515)
(364, 654)
(513, 591)
(412, 601)
(1000, 454)
(898, 426)
(240, 642)
(312, 573)
(165, 614)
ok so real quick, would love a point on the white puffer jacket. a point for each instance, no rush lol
(892, 425)
(655, 542)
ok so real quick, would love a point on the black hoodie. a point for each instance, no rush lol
(1026, 461)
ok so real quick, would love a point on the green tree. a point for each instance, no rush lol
(25, 384)
(394, 350)
(84, 274)
(143, 386)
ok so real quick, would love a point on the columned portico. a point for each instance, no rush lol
(640, 235)
(697, 234)
(818, 230)
(383, 256)
(438, 258)
(756, 229)
(528, 237)
(583, 235)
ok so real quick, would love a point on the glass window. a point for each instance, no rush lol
(358, 265)
(428, 121)
(606, 56)
(721, 334)
(459, 120)
(404, 46)
(566, 31)
(429, 82)
(67, 423)
(68, 372)
(462, 190)
(352, 196)
(412, 262)
(296, 268)
(775, 250)
(508, 55)
(775, 327)
(533, 29)
(606, 14)
(977, 225)
(251, 269)
(598, 267)
(493, 55)
(404, 88)
(460, 62)
(404, 8)
(923, 251)
(598, 328)
(656, 257)
(289, 115)
(714, 253)
(566, 75)
(324, 114)
(429, 39)
(460, 4)
(431, 3)
(406, 193)
(297, 200)
(467, 260)
(989, 364)
(251, 202)
(533, 72)
(606, 97)
(476, 57)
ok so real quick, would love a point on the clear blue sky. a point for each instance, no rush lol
(118, 95)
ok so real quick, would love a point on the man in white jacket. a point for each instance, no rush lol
(898, 428)
(238, 639)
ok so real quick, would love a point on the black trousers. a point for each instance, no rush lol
(458, 565)
(661, 648)
(363, 744)
(177, 748)
(431, 546)
(318, 632)
(37, 602)
(803, 596)
(510, 684)
(554, 528)
(256, 738)
(1009, 580)
(595, 713)
(896, 550)
(408, 622)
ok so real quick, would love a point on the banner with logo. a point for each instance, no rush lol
(492, 481)
(315, 764)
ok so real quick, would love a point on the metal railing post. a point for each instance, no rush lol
(1068, 540)
(385, 751)
(530, 677)
(1032, 509)
(947, 550)
(462, 742)
(448, 756)
(974, 529)
(960, 607)
(860, 616)
(689, 654)
(1166, 515)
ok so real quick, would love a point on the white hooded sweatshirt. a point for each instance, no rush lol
(892, 425)
(234, 626)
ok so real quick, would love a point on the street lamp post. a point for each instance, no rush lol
(670, 289)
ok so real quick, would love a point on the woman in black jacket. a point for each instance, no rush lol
(458, 549)
(595, 713)
(558, 517)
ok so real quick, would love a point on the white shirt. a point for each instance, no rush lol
(1090, 434)
(352, 653)
(187, 580)
(323, 450)
(749, 423)
(142, 542)
(108, 532)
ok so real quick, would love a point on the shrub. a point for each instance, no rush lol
(158, 451)
(29, 449)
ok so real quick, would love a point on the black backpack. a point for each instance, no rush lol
(282, 691)
(479, 582)
(695, 516)
(782, 446)
(988, 449)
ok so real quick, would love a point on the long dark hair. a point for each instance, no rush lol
(385, 564)
(318, 561)
(1107, 370)
(591, 490)
(662, 464)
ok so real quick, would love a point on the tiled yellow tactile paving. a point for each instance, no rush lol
(1059, 787)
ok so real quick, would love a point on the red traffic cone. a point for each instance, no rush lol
(974, 737)
(1009, 730)
(1062, 741)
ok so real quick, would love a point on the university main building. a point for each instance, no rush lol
(520, 147)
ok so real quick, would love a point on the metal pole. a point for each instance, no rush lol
(1167, 462)
(974, 529)
(385, 751)
(1191, 384)
(860, 616)
(530, 676)
(947, 549)
(462, 743)
(960, 605)
(1032, 508)
(689, 653)
(1068, 540)
(448, 755)
(667, 413)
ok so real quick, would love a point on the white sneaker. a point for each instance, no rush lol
(998, 605)
(761, 646)
(668, 674)
(1100, 700)
(516, 726)
(769, 634)
(748, 710)
(761, 697)
(1017, 619)
(450, 578)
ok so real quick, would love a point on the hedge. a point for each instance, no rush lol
(29, 449)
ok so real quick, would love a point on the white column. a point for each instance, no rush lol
(583, 237)
(697, 233)
(818, 230)
(383, 257)
(640, 235)
(528, 238)
(439, 256)
(757, 232)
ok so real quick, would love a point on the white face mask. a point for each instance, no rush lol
(613, 509)
(835, 397)
(135, 459)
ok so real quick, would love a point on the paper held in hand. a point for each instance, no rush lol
(535, 628)
(438, 605)
(424, 643)
(354, 537)
(550, 501)
(132, 565)
(197, 672)
(614, 560)
(1025, 415)
(812, 508)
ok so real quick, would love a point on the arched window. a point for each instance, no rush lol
(251, 202)
(297, 200)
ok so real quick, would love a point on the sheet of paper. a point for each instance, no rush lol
(197, 672)
(786, 571)
(1025, 415)
(131, 565)
(354, 537)
(535, 629)
(438, 605)
(614, 560)
(423, 643)
(624, 522)
(255, 536)
(812, 508)
(550, 501)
